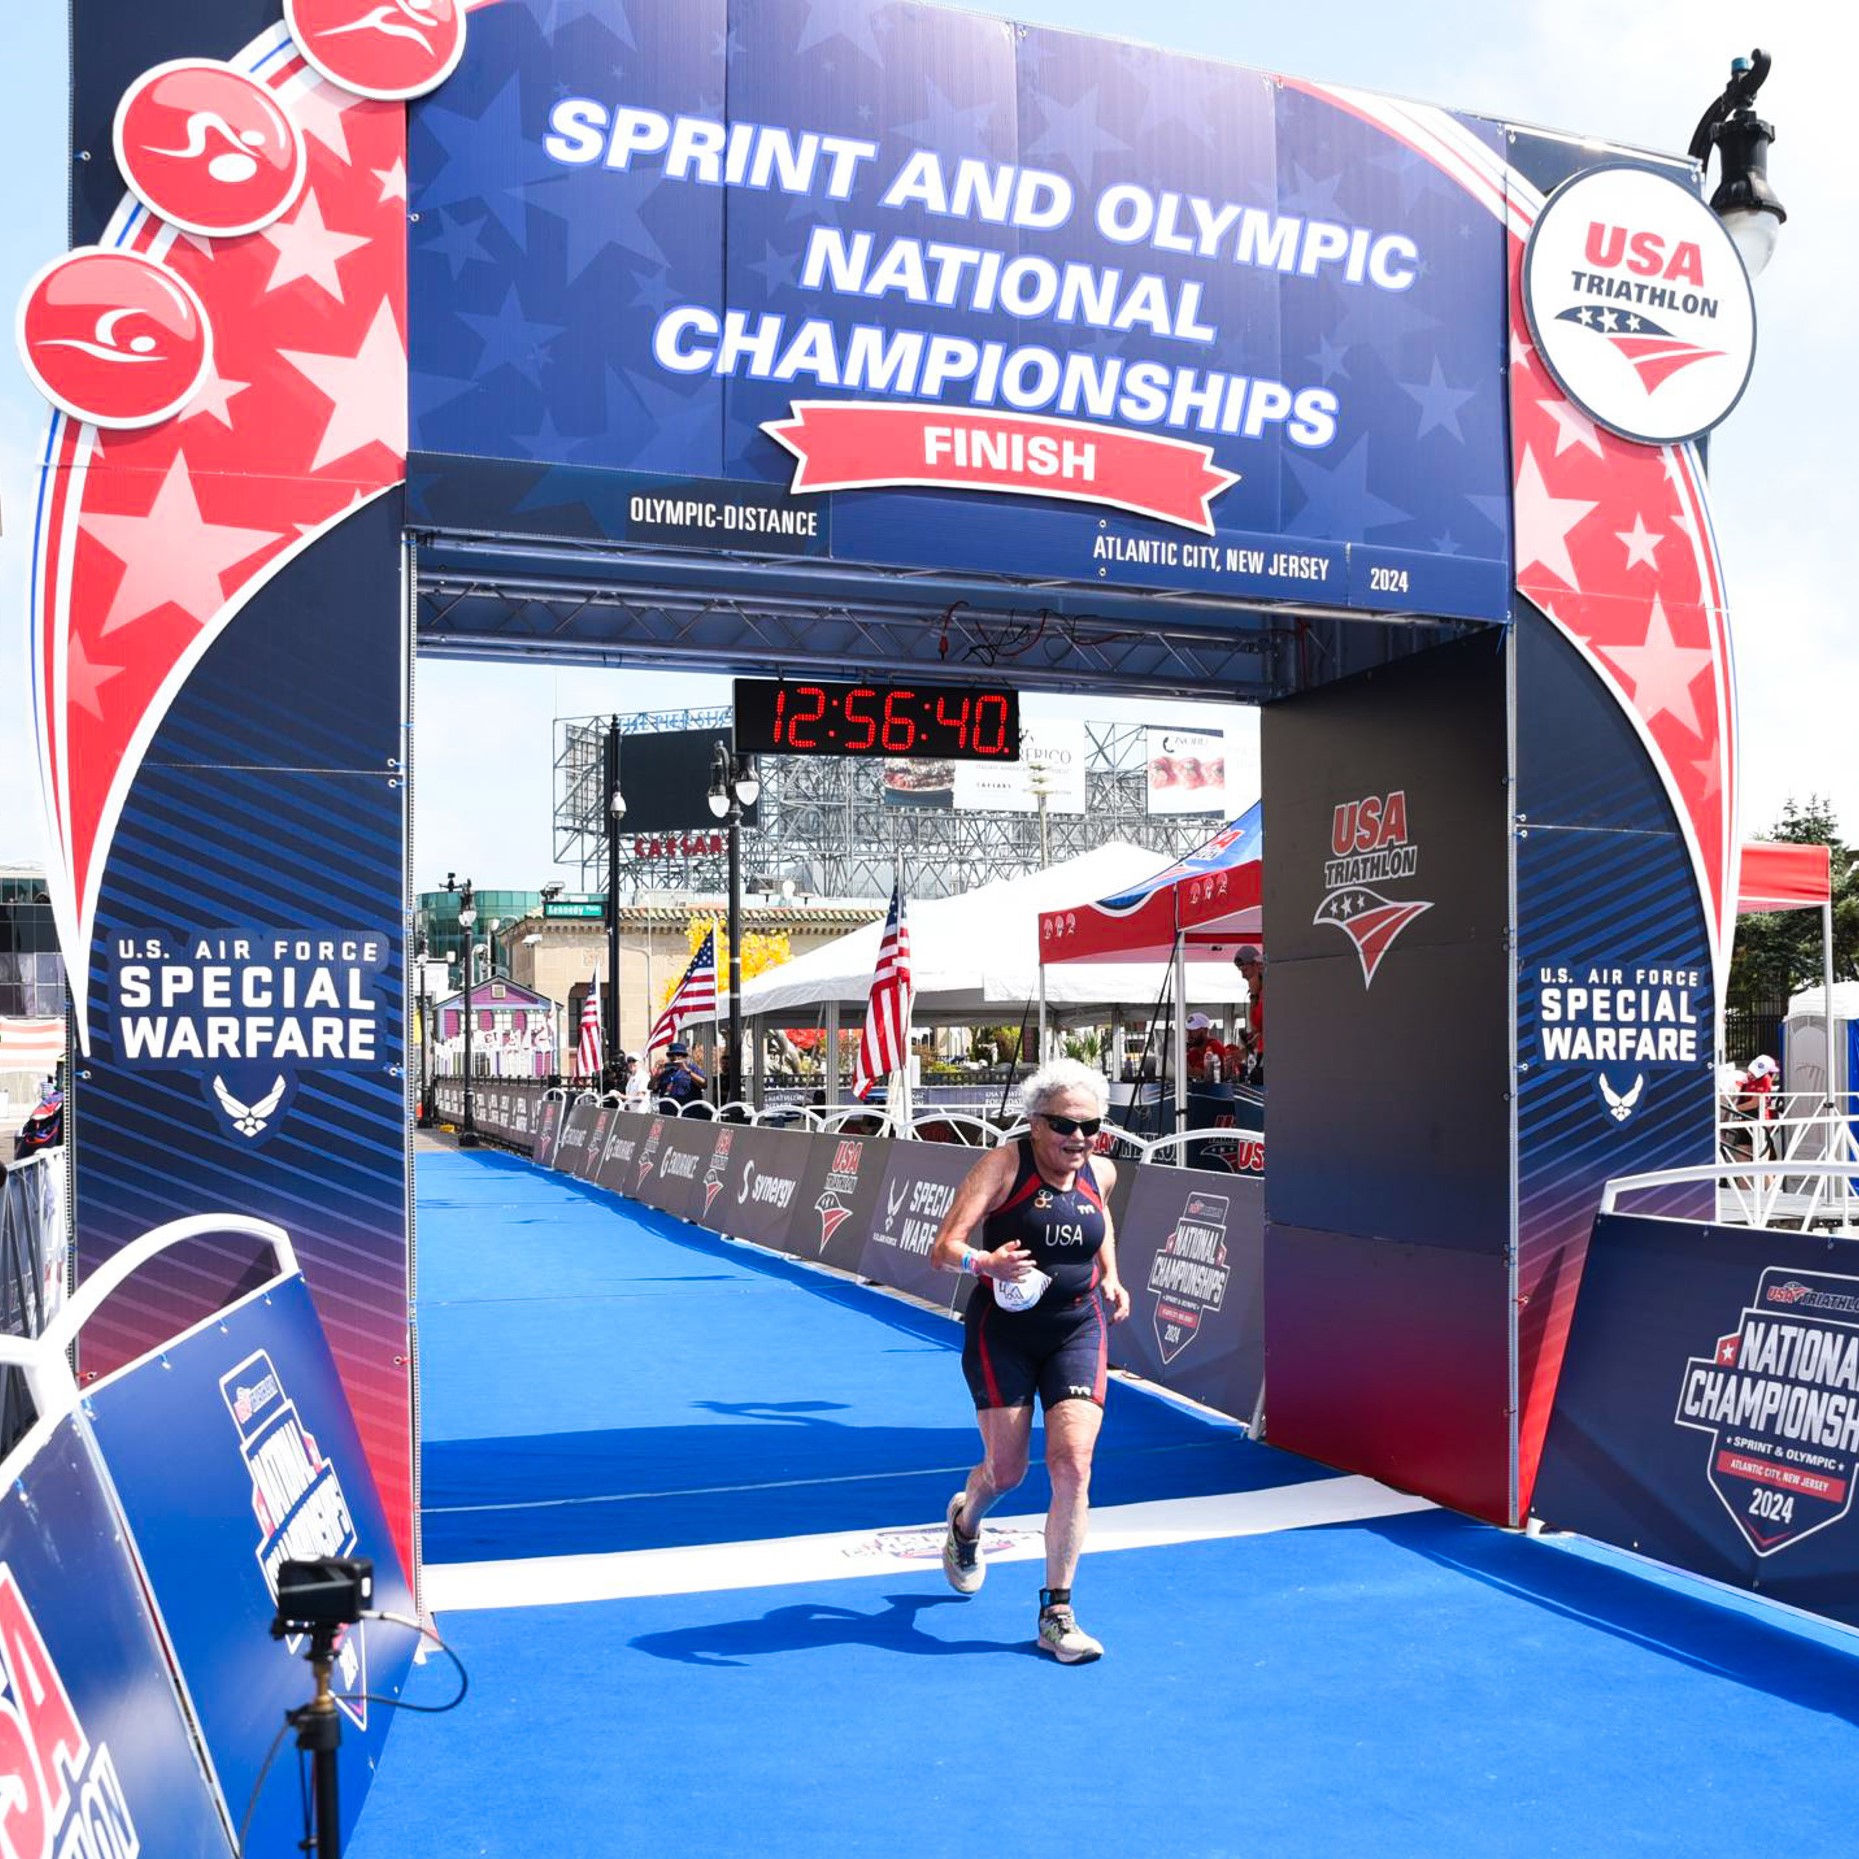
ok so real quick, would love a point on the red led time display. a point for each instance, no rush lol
(944, 722)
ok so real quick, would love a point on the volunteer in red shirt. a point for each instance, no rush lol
(1249, 959)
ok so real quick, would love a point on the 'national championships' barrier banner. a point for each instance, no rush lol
(1708, 1412)
(1190, 1242)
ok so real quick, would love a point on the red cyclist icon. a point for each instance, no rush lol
(380, 48)
(208, 148)
(113, 337)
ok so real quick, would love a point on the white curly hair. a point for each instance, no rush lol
(1060, 1076)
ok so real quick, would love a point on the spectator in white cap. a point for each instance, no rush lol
(1201, 1047)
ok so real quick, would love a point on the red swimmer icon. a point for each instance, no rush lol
(208, 148)
(389, 49)
(113, 337)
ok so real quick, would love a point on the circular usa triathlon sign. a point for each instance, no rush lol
(1639, 304)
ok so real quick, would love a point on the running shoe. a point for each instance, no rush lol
(961, 1555)
(1062, 1636)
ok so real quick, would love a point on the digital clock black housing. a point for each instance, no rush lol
(944, 722)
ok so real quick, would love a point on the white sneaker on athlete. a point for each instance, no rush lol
(1062, 1636)
(961, 1555)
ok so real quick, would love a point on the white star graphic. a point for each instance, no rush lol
(84, 679)
(367, 391)
(1573, 426)
(212, 397)
(393, 182)
(1641, 542)
(318, 112)
(1544, 522)
(173, 554)
(1661, 671)
(306, 248)
(1521, 353)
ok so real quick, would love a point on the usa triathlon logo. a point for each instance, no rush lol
(64, 1794)
(719, 1168)
(1779, 1399)
(1639, 304)
(1368, 838)
(841, 1185)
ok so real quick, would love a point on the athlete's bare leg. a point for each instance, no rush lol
(1071, 1437)
(1005, 1433)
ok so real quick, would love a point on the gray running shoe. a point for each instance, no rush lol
(961, 1555)
(1062, 1636)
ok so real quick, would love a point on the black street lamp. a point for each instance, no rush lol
(734, 785)
(1744, 200)
(423, 1117)
(467, 921)
(615, 813)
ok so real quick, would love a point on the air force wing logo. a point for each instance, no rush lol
(1622, 1104)
(249, 1119)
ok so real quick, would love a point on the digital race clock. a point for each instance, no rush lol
(969, 722)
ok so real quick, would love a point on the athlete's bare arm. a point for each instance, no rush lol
(1114, 1293)
(985, 1187)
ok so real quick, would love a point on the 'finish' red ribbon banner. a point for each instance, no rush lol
(861, 445)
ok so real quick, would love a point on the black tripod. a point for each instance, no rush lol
(319, 1731)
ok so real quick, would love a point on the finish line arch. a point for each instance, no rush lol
(572, 355)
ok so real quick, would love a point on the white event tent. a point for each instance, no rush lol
(976, 957)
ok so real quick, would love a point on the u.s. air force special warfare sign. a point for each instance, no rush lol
(1639, 304)
(1622, 1025)
(246, 1011)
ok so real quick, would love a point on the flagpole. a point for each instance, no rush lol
(904, 1126)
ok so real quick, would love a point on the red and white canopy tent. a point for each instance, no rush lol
(1795, 877)
(1201, 908)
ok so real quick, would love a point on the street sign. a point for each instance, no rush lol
(564, 909)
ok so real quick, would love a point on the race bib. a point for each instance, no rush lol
(1021, 1293)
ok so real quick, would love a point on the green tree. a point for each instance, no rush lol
(1779, 951)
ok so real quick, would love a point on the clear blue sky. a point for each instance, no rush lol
(1784, 481)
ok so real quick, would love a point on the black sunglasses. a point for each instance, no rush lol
(1068, 1126)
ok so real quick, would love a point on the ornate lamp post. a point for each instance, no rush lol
(734, 785)
(467, 921)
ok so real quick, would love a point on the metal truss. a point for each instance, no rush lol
(826, 828)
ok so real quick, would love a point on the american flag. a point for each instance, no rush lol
(587, 1059)
(695, 998)
(885, 1044)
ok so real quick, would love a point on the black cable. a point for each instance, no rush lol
(264, 1769)
(425, 1710)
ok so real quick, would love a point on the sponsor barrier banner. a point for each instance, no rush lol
(595, 1147)
(98, 1755)
(758, 1196)
(232, 1451)
(838, 1199)
(628, 1133)
(1708, 1409)
(549, 1131)
(919, 1188)
(682, 1154)
(1191, 1249)
(571, 1150)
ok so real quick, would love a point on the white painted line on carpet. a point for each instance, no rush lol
(546, 1581)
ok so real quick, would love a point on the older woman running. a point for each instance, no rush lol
(1038, 1326)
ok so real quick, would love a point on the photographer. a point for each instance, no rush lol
(680, 1078)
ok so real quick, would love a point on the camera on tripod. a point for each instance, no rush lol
(319, 1596)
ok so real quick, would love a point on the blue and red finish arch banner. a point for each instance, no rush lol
(876, 284)
(962, 293)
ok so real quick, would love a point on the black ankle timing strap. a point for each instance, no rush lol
(1050, 1598)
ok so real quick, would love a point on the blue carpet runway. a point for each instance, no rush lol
(680, 1524)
